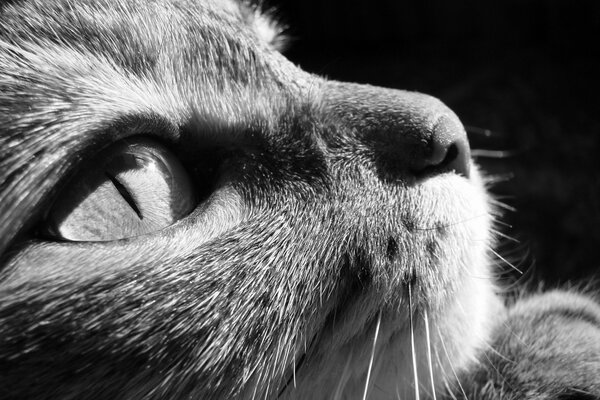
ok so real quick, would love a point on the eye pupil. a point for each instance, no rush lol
(132, 188)
(126, 195)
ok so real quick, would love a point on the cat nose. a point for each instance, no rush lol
(445, 150)
(403, 133)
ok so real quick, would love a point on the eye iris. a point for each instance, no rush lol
(136, 187)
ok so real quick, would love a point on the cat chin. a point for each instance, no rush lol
(382, 359)
(441, 316)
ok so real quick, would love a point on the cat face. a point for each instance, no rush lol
(325, 216)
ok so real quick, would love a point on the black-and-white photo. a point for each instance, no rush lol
(298, 200)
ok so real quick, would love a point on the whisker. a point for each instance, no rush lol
(498, 178)
(372, 355)
(479, 131)
(448, 390)
(506, 261)
(502, 205)
(450, 363)
(583, 392)
(505, 236)
(499, 222)
(428, 337)
(294, 370)
(496, 352)
(412, 342)
(492, 153)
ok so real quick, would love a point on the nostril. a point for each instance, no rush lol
(447, 150)
(454, 160)
(458, 158)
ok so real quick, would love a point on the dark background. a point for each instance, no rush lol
(523, 77)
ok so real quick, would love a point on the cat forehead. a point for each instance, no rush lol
(31, 18)
(219, 36)
(175, 57)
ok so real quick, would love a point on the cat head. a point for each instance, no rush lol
(325, 215)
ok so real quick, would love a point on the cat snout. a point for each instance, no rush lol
(404, 133)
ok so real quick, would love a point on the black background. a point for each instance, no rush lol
(525, 71)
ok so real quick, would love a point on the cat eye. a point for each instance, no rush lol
(134, 187)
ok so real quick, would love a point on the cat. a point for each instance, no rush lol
(185, 214)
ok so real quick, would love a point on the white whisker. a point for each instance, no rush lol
(428, 337)
(448, 389)
(503, 205)
(372, 355)
(506, 261)
(479, 131)
(412, 343)
(294, 369)
(505, 236)
(450, 363)
(492, 153)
